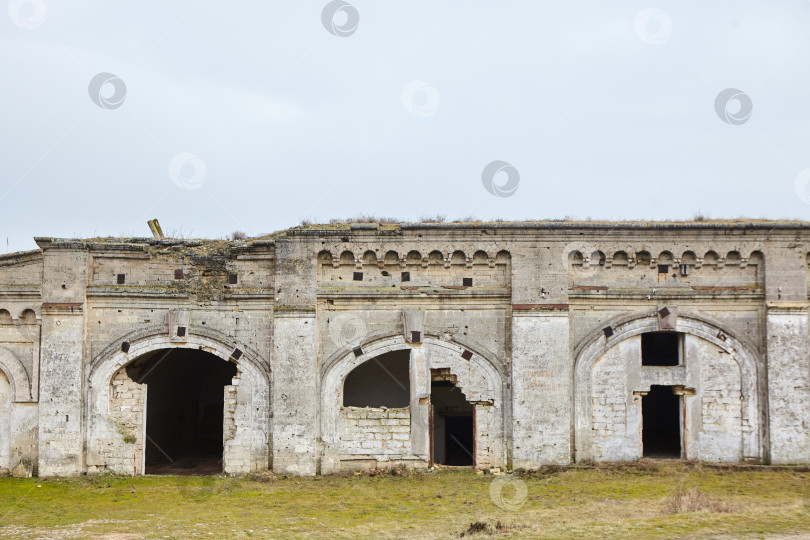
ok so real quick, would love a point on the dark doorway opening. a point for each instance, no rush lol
(661, 424)
(184, 409)
(660, 349)
(453, 426)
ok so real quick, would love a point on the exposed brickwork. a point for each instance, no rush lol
(123, 450)
(382, 433)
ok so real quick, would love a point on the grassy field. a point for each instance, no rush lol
(643, 500)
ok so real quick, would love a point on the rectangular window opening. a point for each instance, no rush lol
(661, 349)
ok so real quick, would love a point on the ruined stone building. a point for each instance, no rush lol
(329, 348)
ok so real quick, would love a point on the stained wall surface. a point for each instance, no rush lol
(538, 325)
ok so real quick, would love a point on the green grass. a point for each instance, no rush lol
(591, 502)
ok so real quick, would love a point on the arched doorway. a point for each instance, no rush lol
(216, 394)
(184, 409)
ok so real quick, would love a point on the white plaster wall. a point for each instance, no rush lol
(295, 399)
(789, 385)
(541, 390)
(718, 436)
(5, 422)
(24, 432)
(616, 411)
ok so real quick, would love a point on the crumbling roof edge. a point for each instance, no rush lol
(20, 257)
(678, 225)
(138, 243)
(269, 240)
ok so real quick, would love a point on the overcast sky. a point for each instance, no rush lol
(251, 116)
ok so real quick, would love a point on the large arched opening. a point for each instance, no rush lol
(447, 384)
(184, 409)
(161, 407)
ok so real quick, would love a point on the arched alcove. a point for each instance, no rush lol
(474, 375)
(610, 384)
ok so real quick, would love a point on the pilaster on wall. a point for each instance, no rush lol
(541, 388)
(541, 372)
(420, 396)
(786, 274)
(788, 358)
(62, 344)
(295, 361)
(788, 383)
(295, 395)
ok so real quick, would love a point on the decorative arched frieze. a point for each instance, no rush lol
(367, 255)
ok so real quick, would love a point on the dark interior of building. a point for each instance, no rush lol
(383, 381)
(661, 425)
(660, 349)
(453, 441)
(184, 409)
